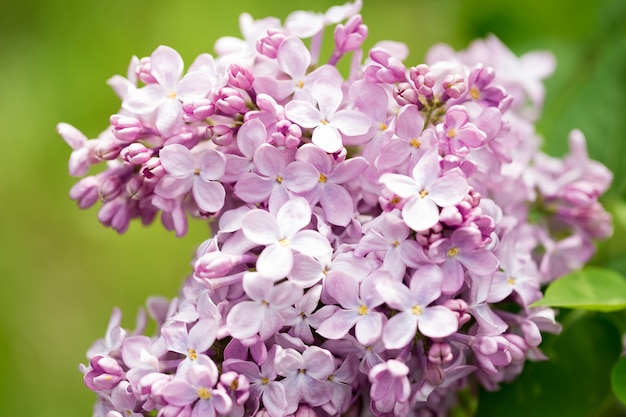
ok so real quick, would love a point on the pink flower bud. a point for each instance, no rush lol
(240, 76)
(108, 150)
(139, 187)
(144, 71)
(126, 128)
(110, 188)
(269, 44)
(213, 265)
(115, 214)
(153, 168)
(136, 154)
(440, 353)
(454, 85)
(351, 36)
(404, 94)
(229, 101)
(198, 109)
(220, 135)
(85, 192)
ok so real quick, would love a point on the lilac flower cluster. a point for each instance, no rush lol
(378, 240)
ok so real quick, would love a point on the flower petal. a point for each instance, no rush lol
(209, 195)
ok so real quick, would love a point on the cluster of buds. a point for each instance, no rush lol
(379, 238)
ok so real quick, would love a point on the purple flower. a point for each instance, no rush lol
(358, 301)
(305, 376)
(263, 314)
(411, 143)
(282, 235)
(263, 385)
(335, 200)
(390, 239)
(197, 388)
(390, 385)
(294, 60)
(198, 173)
(426, 191)
(327, 121)
(459, 134)
(190, 343)
(275, 178)
(165, 96)
(462, 251)
(104, 373)
(414, 311)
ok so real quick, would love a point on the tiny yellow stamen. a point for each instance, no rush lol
(383, 126)
(265, 381)
(284, 242)
(234, 385)
(172, 95)
(417, 310)
(511, 281)
(279, 179)
(300, 84)
(395, 200)
(474, 93)
(324, 122)
(452, 252)
(423, 193)
(451, 133)
(302, 371)
(196, 171)
(415, 143)
(192, 354)
(322, 178)
(395, 244)
(363, 310)
(203, 393)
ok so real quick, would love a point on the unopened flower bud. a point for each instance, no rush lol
(229, 101)
(198, 109)
(104, 375)
(454, 85)
(136, 154)
(126, 128)
(110, 188)
(269, 44)
(351, 36)
(213, 265)
(240, 76)
(144, 71)
(139, 187)
(153, 168)
(404, 94)
(460, 307)
(220, 135)
(85, 192)
(108, 150)
(440, 353)
(434, 374)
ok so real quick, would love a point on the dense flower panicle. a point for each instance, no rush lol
(379, 237)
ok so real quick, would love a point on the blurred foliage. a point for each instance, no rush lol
(62, 273)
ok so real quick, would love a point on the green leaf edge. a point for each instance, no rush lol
(604, 308)
(618, 380)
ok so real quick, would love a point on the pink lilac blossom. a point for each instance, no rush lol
(371, 230)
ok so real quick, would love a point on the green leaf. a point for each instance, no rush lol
(573, 382)
(591, 288)
(618, 380)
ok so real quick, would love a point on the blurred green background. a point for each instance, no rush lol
(62, 273)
